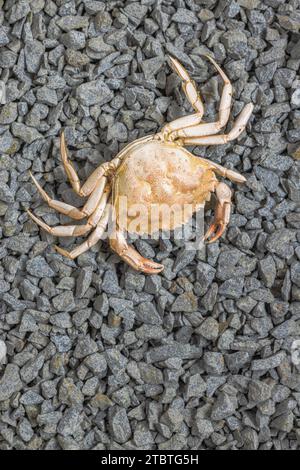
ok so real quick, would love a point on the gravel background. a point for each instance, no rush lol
(101, 357)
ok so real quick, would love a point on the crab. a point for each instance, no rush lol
(153, 170)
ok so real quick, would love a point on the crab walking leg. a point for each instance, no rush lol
(71, 211)
(100, 172)
(195, 129)
(69, 169)
(61, 230)
(94, 237)
(225, 172)
(95, 178)
(225, 103)
(188, 86)
(74, 230)
(119, 244)
(220, 139)
(192, 95)
(222, 213)
(108, 168)
(173, 128)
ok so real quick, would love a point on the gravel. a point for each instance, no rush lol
(3, 351)
(94, 92)
(94, 355)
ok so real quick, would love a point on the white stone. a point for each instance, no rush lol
(295, 99)
(2, 351)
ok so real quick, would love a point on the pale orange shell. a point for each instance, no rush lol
(162, 182)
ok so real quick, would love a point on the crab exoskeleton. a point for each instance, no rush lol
(153, 170)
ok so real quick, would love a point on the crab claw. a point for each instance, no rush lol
(218, 228)
(132, 257)
(139, 263)
(222, 213)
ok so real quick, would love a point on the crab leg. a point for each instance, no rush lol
(74, 230)
(225, 172)
(224, 111)
(71, 211)
(222, 213)
(236, 130)
(192, 95)
(119, 244)
(96, 177)
(69, 169)
(61, 230)
(190, 125)
(188, 86)
(94, 237)
(90, 183)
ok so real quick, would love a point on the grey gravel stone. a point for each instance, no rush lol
(195, 386)
(97, 364)
(224, 406)
(69, 422)
(26, 133)
(63, 301)
(278, 241)
(69, 393)
(73, 39)
(47, 96)
(83, 281)
(238, 360)
(214, 362)
(284, 422)
(38, 267)
(70, 22)
(117, 131)
(7, 143)
(232, 288)
(186, 302)
(147, 313)
(119, 424)
(235, 43)
(94, 92)
(250, 439)
(150, 374)
(184, 351)
(8, 113)
(85, 347)
(142, 436)
(5, 193)
(34, 51)
(209, 329)
(267, 270)
(259, 391)
(205, 275)
(31, 369)
(10, 382)
(268, 363)
(25, 430)
(202, 427)
(110, 283)
(3, 36)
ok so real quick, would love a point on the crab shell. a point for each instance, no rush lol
(159, 186)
